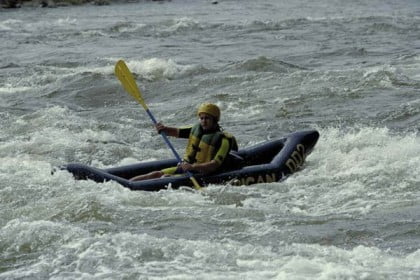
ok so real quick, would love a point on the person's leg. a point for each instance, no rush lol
(157, 174)
(151, 175)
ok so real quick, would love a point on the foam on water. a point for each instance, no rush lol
(10, 24)
(183, 24)
(45, 77)
(354, 172)
(154, 69)
(125, 254)
(351, 172)
(57, 135)
(41, 76)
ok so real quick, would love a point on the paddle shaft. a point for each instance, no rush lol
(178, 158)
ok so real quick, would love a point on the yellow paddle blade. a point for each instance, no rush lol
(127, 80)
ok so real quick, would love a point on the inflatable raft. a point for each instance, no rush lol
(266, 162)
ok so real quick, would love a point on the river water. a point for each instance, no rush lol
(350, 69)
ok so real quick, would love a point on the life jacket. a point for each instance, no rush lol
(202, 147)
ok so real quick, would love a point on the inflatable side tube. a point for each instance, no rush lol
(129, 171)
(84, 172)
(265, 162)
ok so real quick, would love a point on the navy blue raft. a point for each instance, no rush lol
(266, 162)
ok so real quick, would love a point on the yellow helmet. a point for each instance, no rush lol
(210, 109)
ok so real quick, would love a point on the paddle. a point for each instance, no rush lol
(127, 80)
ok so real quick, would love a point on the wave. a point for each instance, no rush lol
(190, 25)
(362, 25)
(388, 76)
(54, 73)
(122, 27)
(162, 28)
(45, 76)
(356, 170)
(155, 69)
(406, 116)
(38, 25)
(264, 64)
(10, 24)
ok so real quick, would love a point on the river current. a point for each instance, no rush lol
(350, 69)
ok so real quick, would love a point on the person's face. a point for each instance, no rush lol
(206, 121)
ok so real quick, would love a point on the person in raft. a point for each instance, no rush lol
(207, 149)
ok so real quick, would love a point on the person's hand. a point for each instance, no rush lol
(185, 166)
(160, 127)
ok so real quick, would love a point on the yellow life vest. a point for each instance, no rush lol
(202, 147)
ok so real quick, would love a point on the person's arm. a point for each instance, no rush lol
(182, 132)
(206, 167)
(169, 131)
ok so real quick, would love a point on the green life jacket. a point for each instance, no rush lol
(202, 147)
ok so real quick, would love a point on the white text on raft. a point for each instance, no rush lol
(295, 161)
(268, 178)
